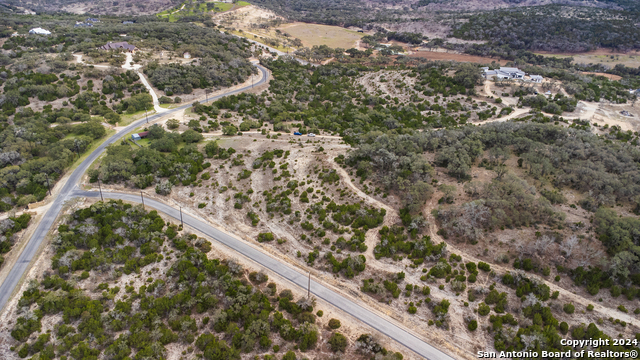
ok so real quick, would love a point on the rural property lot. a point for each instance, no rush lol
(602, 56)
(332, 36)
(436, 55)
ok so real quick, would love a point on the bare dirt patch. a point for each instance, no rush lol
(314, 34)
(601, 56)
(437, 55)
(608, 76)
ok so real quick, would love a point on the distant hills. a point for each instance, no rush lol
(110, 7)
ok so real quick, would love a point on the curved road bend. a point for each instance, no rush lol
(26, 257)
(377, 322)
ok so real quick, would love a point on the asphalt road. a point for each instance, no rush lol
(368, 317)
(28, 254)
(70, 190)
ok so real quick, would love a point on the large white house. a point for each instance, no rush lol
(503, 73)
(509, 73)
(39, 31)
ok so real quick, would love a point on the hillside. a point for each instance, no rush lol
(476, 213)
(98, 7)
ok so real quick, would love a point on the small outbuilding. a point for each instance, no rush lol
(138, 136)
(536, 78)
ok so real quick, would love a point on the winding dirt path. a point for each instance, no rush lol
(371, 237)
(392, 217)
(566, 295)
(128, 65)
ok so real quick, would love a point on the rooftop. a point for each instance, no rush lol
(118, 45)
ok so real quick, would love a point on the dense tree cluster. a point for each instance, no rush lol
(394, 241)
(148, 166)
(34, 155)
(221, 70)
(578, 159)
(553, 28)
(501, 203)
(8, 229)
(205, 302)
(323, 98)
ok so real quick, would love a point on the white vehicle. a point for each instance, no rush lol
(311, 135)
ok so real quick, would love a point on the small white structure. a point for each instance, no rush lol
(536, 78)
(39, 31)
(186, 55)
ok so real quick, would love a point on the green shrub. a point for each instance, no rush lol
(412, 309)
(569, 308)
(338, 342)
(334, 324)
(564, 328)
(483, 309)
(484, 266)
(473, 325)
(265, 237)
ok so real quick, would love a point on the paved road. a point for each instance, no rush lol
(368, 317)
(22, 264)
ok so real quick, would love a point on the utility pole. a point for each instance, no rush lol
(181, 223)
(309, 286)
(100, 187)
(145, 113)
(142, 197)
(48, 186)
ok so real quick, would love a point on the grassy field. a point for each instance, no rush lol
(186, 9)
(93, 146)
(129, 118)
(609, 59)
(169, 106)
(332, 36)
(259, 39)
(221, 7)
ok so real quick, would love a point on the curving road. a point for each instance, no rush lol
(368, 317)
(70, 190)
(28, 254)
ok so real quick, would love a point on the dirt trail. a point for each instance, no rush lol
(514, 114)
(487, 88)
(565, 294)
(128, 65)
(392, 217)
(80, 61)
